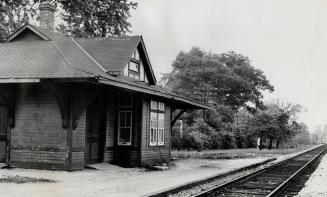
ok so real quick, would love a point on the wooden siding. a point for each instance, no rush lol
(129, 156)
(78, 160)
(111, 120)
(38, 137)
(155, 154)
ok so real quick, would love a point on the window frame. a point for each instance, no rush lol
(154, 109)
(130, 128)
(125, 108)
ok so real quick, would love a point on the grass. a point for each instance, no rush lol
(23, 179)
(235, 153)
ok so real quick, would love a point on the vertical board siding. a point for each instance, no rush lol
(79, 141)
(151, 155)
(38, 136)
(110, 131)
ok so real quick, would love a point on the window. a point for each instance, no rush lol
(125, 118)
(153, 128)
(154, 105)
(125, 128)
(161, 129)
(157, 123)
(134, 67)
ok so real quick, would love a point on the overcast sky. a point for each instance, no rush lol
(287, 39)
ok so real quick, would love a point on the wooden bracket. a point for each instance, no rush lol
(177, 116)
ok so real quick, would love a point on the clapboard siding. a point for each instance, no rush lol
(38, 156)
(126, 158)
(38, 129)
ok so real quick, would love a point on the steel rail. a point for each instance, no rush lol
(251, 175)
(282, 186)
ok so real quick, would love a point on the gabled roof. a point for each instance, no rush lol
(53, 55)
(113, 53)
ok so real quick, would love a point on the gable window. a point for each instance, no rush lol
(125, 118)
(134, 68)
(157, 123)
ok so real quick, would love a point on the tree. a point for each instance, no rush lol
(218, 79)
(99, 18)
(86, 18)
(276, 122)
(14, 14)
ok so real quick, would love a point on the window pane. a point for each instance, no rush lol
(161, 106)
(134, 66)
(153, 128)
(161, 136)
(125, 135)
(154, 105)
(122, 119)
(128, 119)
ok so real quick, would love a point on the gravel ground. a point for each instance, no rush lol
(316, 186)
(114, 181)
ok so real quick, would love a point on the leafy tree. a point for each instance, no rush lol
(86, 18)
(219, 79)
(14, 14)
(99, 18)
(275, 122)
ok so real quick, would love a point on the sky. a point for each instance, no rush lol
(286, 39)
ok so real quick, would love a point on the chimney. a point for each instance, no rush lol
(47, 11)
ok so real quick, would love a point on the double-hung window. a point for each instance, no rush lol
(125, 119)
(157, 123)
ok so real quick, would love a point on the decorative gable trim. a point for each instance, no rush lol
(27, 26)
(152, 78)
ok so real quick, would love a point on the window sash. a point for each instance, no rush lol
(154, 105)
(124, 123)
(157, 129)
(161, 106)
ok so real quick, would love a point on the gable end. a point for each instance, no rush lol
(27, 32)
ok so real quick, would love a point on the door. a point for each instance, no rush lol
(3, 133)
(95, 132)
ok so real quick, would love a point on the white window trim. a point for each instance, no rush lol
(162, 129)
(130, 130)
(158, 111)
(153, 143)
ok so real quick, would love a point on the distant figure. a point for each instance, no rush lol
(258, 143)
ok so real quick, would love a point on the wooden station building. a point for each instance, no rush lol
(66, 103)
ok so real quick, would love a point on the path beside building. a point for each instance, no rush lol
(114, 181)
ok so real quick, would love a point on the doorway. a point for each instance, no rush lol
(95, 131)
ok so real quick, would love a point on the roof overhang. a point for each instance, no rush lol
(178, 101)
(19, 80)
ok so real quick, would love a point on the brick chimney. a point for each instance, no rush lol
(47, 11)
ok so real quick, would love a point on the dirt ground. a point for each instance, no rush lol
(110, 180)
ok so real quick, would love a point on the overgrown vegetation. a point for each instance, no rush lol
(238, 117)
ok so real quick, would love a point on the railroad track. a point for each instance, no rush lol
(285, 178)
